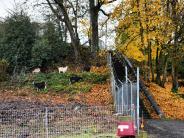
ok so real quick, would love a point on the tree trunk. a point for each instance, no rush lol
(175, 46)
(94, 27)
(142, 39)
(164, 72)
(152, 71)
(158, 71)
(76, 47)
(174, 76)
(73, 35)
(149, 60)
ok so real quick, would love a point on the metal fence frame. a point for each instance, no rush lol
(120, 95)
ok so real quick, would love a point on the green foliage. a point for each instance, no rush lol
(17, 40)
(94, 78)
(49, 47)
(41, 53)
(181, 69)
(60, 82)
(55, 41)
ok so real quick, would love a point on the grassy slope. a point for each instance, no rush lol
(93, 89)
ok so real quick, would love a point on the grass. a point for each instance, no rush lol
(60, 82)
(143, 134)
(105, 135)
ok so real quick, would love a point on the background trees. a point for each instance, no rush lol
(17, 40)
(148, 31)
(25, 44)
(151, 32)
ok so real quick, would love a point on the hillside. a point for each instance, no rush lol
(172, 104)
(94, 89)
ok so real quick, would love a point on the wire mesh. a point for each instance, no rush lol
(59, 122)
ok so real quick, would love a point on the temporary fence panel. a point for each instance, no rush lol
(126, 95)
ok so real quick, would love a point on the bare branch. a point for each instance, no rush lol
(54, 11)
(106, 14)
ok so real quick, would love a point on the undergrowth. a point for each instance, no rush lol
(60, 82)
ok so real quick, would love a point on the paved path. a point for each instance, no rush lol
(164, 128)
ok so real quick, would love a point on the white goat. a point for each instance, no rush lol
(62, 69)
(37, 70)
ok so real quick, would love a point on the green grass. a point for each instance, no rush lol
(143, 134)
(60, 82)
(105, 135)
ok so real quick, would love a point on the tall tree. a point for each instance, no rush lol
(95, 6)
(142, 25)
(60, 9)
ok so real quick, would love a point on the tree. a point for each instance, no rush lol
(141, 23)
(95, 6)
(175, 11)
(59, 8)
(17, 41)
(49, 47)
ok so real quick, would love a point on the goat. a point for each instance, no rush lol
(37, 70)
(40, 85)
(86, 68)
(62, 69)
(74, 79)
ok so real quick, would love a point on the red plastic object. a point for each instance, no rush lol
(126, 128)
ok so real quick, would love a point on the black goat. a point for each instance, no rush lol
(86, 68)
(74, 79)
(40, 85)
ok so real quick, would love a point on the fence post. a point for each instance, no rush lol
(46, 122)
(122, 98)
(126, 74)
(138, 101)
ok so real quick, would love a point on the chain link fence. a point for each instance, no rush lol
(59, 122)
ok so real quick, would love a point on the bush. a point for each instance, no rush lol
(94, 78)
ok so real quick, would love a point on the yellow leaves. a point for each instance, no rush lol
(147, 21)
(86, 26)
(84, 22)
(117, 12)
(132, 51)
(99, 70)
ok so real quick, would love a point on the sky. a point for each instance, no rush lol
(4, 6)
(7, 6)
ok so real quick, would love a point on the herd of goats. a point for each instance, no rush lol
(43, 85)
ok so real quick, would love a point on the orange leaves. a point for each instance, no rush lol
(171, 104)
(99, 95)
(100, 70)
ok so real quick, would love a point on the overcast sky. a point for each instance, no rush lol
(4, 6)
(7, 6)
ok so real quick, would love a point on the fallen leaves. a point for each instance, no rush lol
(171, 104)
(98, 95)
